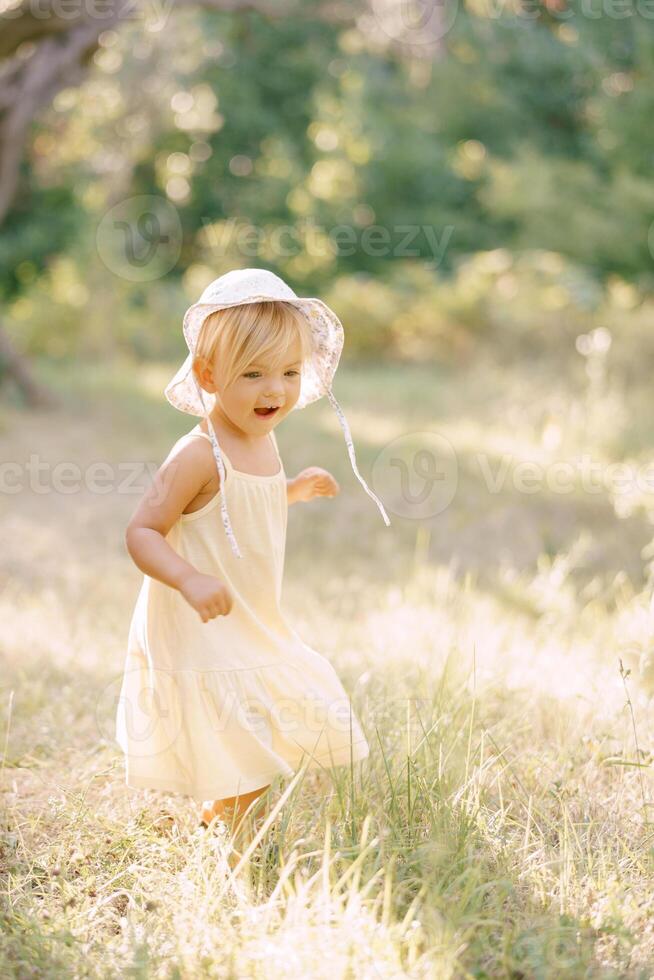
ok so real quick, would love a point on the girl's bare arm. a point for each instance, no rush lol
(188, 468)
(178, 480)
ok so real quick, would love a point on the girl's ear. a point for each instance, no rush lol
(204, 374)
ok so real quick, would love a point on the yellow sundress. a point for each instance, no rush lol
(217, 709)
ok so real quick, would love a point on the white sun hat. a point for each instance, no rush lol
(236, 288)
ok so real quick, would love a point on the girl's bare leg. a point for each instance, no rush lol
(232, 811)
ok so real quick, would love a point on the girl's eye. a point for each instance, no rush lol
(250, 374)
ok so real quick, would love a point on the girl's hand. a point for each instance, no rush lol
(314, 482)
(208, 595)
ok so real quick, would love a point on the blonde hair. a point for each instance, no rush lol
(241, 334)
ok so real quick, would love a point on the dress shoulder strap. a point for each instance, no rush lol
(205, 435)
(199, 433)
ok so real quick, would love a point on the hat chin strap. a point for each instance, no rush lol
(221, 469)
(221, 466)
(350, 448)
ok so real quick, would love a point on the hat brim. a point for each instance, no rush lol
(182, 393)
(317, 371)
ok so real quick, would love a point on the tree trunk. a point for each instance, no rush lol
(14, 367)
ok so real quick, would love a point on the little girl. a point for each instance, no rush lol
(219, 694)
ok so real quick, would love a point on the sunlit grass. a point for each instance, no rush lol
(500, 826)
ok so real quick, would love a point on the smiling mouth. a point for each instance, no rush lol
(266, 413)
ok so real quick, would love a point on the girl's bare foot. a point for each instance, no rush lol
(240, 827)
(207, 812)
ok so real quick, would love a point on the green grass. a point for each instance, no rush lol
(500, 827)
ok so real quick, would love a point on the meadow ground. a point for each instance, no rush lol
(501, 826)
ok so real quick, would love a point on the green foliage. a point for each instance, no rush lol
(44, 223)
(529, 135)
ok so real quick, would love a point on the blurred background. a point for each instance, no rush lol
(468, 185)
